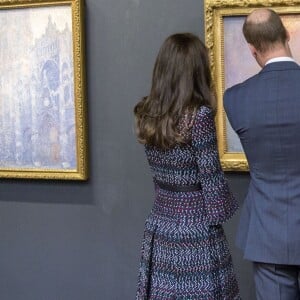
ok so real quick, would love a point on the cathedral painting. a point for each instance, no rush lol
(37, 105)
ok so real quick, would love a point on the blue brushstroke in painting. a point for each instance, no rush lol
(37, 123)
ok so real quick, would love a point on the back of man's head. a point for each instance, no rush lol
(264, 30)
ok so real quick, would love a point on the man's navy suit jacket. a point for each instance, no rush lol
(265, 113)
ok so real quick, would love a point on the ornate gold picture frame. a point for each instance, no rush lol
(43, 131)
(231, 61)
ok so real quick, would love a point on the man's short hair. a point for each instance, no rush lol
(266, 34)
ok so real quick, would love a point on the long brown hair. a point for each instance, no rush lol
(181, 83)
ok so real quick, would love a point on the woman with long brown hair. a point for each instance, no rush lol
(185, 254)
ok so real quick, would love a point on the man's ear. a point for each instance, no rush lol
(253, 50)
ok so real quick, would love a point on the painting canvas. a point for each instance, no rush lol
(232, 62)
(41, 112)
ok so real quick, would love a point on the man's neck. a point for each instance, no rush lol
(281, 52)
(280, 59)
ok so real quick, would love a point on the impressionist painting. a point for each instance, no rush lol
(37, 100)
(231, 60)
(240, 65)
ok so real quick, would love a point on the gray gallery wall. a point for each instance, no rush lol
(81, 241)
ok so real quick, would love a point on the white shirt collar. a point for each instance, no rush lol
(278, 59)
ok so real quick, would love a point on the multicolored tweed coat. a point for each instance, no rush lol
(185, 254)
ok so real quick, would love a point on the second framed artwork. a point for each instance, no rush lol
(232, 62)
(42, 90)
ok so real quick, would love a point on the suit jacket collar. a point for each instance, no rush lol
(280, 66)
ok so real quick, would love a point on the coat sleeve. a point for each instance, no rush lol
(219, 202)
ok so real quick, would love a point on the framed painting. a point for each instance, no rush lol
(232, 62)
(43, 131)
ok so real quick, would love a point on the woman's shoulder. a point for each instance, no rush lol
(190, 119)
(204, 125)
(204, 111)
(203, 115)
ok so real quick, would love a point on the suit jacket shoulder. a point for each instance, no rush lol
(236, 98)
(233, 100)
(230, 93)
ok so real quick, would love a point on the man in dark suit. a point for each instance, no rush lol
(265, 113)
